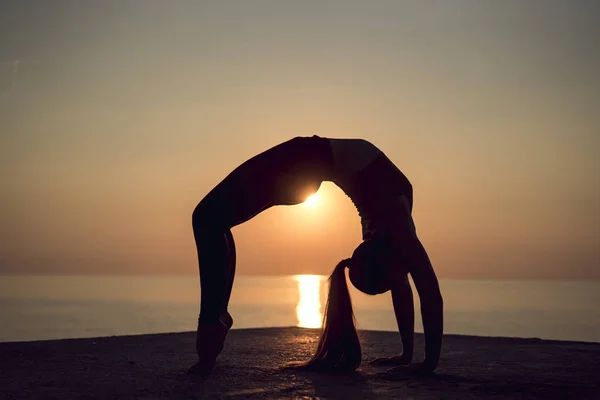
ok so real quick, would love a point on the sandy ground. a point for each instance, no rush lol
(154, 367)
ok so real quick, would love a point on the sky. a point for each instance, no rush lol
(117, 117)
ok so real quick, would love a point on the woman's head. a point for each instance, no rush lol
(339, 347)
(369, 267)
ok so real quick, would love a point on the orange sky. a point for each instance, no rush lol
(120, 116)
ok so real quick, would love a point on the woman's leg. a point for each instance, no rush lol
(213, 258)
(272, 177)
(231, 269)
(251, 188)
(239, 197)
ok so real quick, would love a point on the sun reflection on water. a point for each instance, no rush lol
(308, 309)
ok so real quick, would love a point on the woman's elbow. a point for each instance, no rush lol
(433, 300)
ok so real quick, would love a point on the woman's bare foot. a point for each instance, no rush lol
(226, 319)
(209, 343)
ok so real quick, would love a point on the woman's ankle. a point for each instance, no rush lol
(226, 319)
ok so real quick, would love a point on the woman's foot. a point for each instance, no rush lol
(226, 319)
(210, 340)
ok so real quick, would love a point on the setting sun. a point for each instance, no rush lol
(312, 200)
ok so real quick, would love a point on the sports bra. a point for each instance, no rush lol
(370, 179)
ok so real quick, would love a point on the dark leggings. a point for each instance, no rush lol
(280, 175)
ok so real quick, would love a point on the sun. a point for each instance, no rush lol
(312, 200)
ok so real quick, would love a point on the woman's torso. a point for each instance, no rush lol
(371, 180)
(288, 173)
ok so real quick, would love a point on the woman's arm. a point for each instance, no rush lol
(432, 305)
(402, 299)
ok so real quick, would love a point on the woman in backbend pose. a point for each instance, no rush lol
(287, 174)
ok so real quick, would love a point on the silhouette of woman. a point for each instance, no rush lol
(287, 174)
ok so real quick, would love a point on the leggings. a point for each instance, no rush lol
(282, 175)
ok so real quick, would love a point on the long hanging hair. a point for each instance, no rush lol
(339, 346)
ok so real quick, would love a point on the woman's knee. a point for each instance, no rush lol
(207, 218)
(198, 214)
(202, 217)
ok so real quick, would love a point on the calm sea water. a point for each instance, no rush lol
(33, 308)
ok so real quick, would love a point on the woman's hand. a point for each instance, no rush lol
(402, 359)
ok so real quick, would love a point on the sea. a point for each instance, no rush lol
(57, 307)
